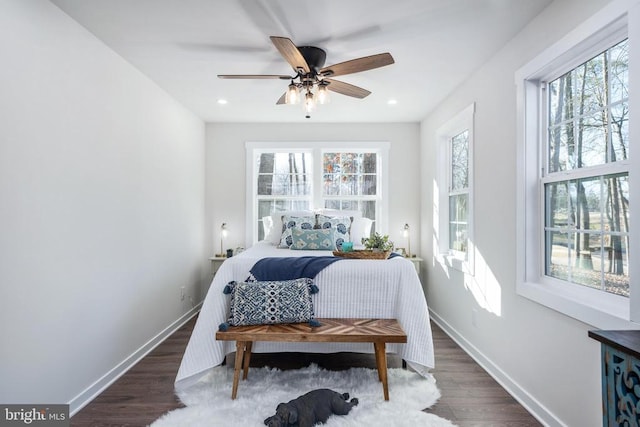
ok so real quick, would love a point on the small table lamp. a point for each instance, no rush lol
(406, 234)
(223, 233)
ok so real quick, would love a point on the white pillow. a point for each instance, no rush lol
(275, 233)
(360, 227)
(267, 225)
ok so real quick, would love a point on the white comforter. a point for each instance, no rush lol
(348, 288)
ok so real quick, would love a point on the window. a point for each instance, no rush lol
(459, 192)
(350, 181)
(455, 179)
(341, 176)
(586, 182)
(574, 222)
(284, 182)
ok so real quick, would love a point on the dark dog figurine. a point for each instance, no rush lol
(311, 408)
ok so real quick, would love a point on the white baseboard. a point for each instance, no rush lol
(90, 393)
(539, 411)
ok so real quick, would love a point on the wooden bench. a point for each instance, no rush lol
(376, 331)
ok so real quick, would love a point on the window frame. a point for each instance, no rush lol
(316, 149)
(461, 122)
(594, 307)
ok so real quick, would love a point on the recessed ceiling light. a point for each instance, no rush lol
(392, 102)
(222, 101)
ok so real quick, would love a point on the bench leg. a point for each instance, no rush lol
(240, 346)
(381, 362)
(247, 359)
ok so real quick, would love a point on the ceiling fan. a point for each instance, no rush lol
(312, 79)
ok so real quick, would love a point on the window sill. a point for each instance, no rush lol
(595, 308)
(457, 263)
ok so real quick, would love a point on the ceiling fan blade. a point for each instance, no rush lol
(346, 37)
(266, 16)
(282, 99)
(254, 76)
(356, 65)
(346, 89)
(290, 52)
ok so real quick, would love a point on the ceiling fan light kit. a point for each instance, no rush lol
(323, 93)
(293, 96)
(312, 80)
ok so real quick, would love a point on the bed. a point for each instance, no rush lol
(353, 288)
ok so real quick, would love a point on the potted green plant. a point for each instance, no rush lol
(378, 243)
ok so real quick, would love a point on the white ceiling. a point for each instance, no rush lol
(183, 45)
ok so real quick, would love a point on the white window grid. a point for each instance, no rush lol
(460, 260)
(571, 175)
(316, 197)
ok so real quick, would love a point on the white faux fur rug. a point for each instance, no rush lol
(209, 401)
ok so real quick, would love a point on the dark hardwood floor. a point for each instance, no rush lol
(470, 397)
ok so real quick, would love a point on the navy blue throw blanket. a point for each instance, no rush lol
(289, 268)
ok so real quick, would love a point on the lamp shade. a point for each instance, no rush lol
(309, 102)
(224, 231)
(407, 234)
(292, 96)
(322, 94)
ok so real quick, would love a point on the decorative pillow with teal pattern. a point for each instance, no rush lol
(340, 225)
(290, 222)
(320, 239)
(270, 302)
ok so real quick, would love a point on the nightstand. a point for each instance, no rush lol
(216, 262)
(416, 263)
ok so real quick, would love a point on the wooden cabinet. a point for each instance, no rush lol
(620, 377)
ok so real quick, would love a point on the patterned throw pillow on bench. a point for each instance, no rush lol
(270, 302)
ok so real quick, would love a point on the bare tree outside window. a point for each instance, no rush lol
(459, 192)
(350, 182)
(284, 183)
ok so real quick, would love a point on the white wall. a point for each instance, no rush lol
(102, 208)
(226, 173)
(544, 357)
